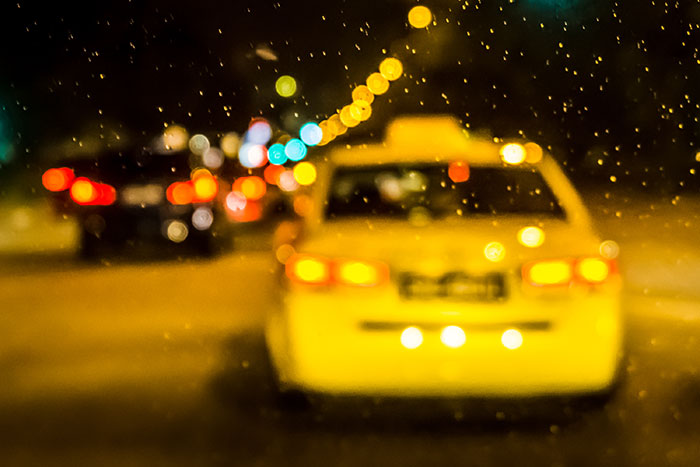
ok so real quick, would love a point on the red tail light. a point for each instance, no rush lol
(318, 270)
(88, 193)
(568, 271)
(57, 179)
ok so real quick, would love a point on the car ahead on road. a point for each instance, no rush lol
(139, 198)
(438, 264)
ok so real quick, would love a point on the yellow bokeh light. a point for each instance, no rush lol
(175, 138)
(362, 93)
(533, 153)
(336, 125)
(420, 17)
(83, 191)
(593, 269)
(512, 339)
(230, 143)
(609, 249)
(391, 68)
(286, 86)
(453, 336)
(284, 252)
(377, 84)
(205, 187)
(495, 251)
(531, 237)
(347, 119)
(328, 135)
(411, 337)
(360, 110)
(304, 173)
(513, 153)
(550, 272)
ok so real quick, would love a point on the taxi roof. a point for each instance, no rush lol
(422, 139)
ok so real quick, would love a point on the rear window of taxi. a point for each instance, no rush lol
(402, 190)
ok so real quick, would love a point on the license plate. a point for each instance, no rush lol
(454, 285)
(142, 195)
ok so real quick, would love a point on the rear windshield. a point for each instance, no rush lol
(401, 191)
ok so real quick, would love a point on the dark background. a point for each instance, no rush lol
(612, 89)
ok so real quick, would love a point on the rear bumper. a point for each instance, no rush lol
(323, 346)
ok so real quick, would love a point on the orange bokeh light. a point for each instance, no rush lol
(57, 179)
(458, 171)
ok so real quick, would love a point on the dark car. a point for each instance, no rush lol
(145, 198)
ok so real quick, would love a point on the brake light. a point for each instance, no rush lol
(586, 270)
(57, 179)
(309, 269)
(360, 273)
(88, 193)
(318, 270)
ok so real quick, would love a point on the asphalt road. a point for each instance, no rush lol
(133, 362)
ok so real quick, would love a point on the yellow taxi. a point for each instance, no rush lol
(441, 264)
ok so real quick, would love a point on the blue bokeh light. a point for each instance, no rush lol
(295, 149)
(276, 154)
(311, 134)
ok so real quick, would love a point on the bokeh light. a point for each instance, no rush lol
(609, 249)
(252, 155)
(286, 86)
(347, 119)
(594, 270)
(287, 182)
(259, 132)
(360, 110)
(304, 173)
(458, 171)
(83, 191)
(235, 201)
(377, 84)
(513, 153)
(420, 17)
(198, 144)
(213, 158)
(391, 68)
(205, 186)
(175, 138)
(295, 149)
(311, 134)
(533, 153)
(253, 187)
(494, 251)
(362, 93)
(336, 125)
(57, 179)
(276, 155)
(230, 143)
(453, 336)
(531, 237)
(176, 231)
(411, 337)
(512, 339)
(271, 174)
(202, 218)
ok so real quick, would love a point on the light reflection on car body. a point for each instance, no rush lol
(470, 305)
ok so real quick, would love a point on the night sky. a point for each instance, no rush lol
(613, 89)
